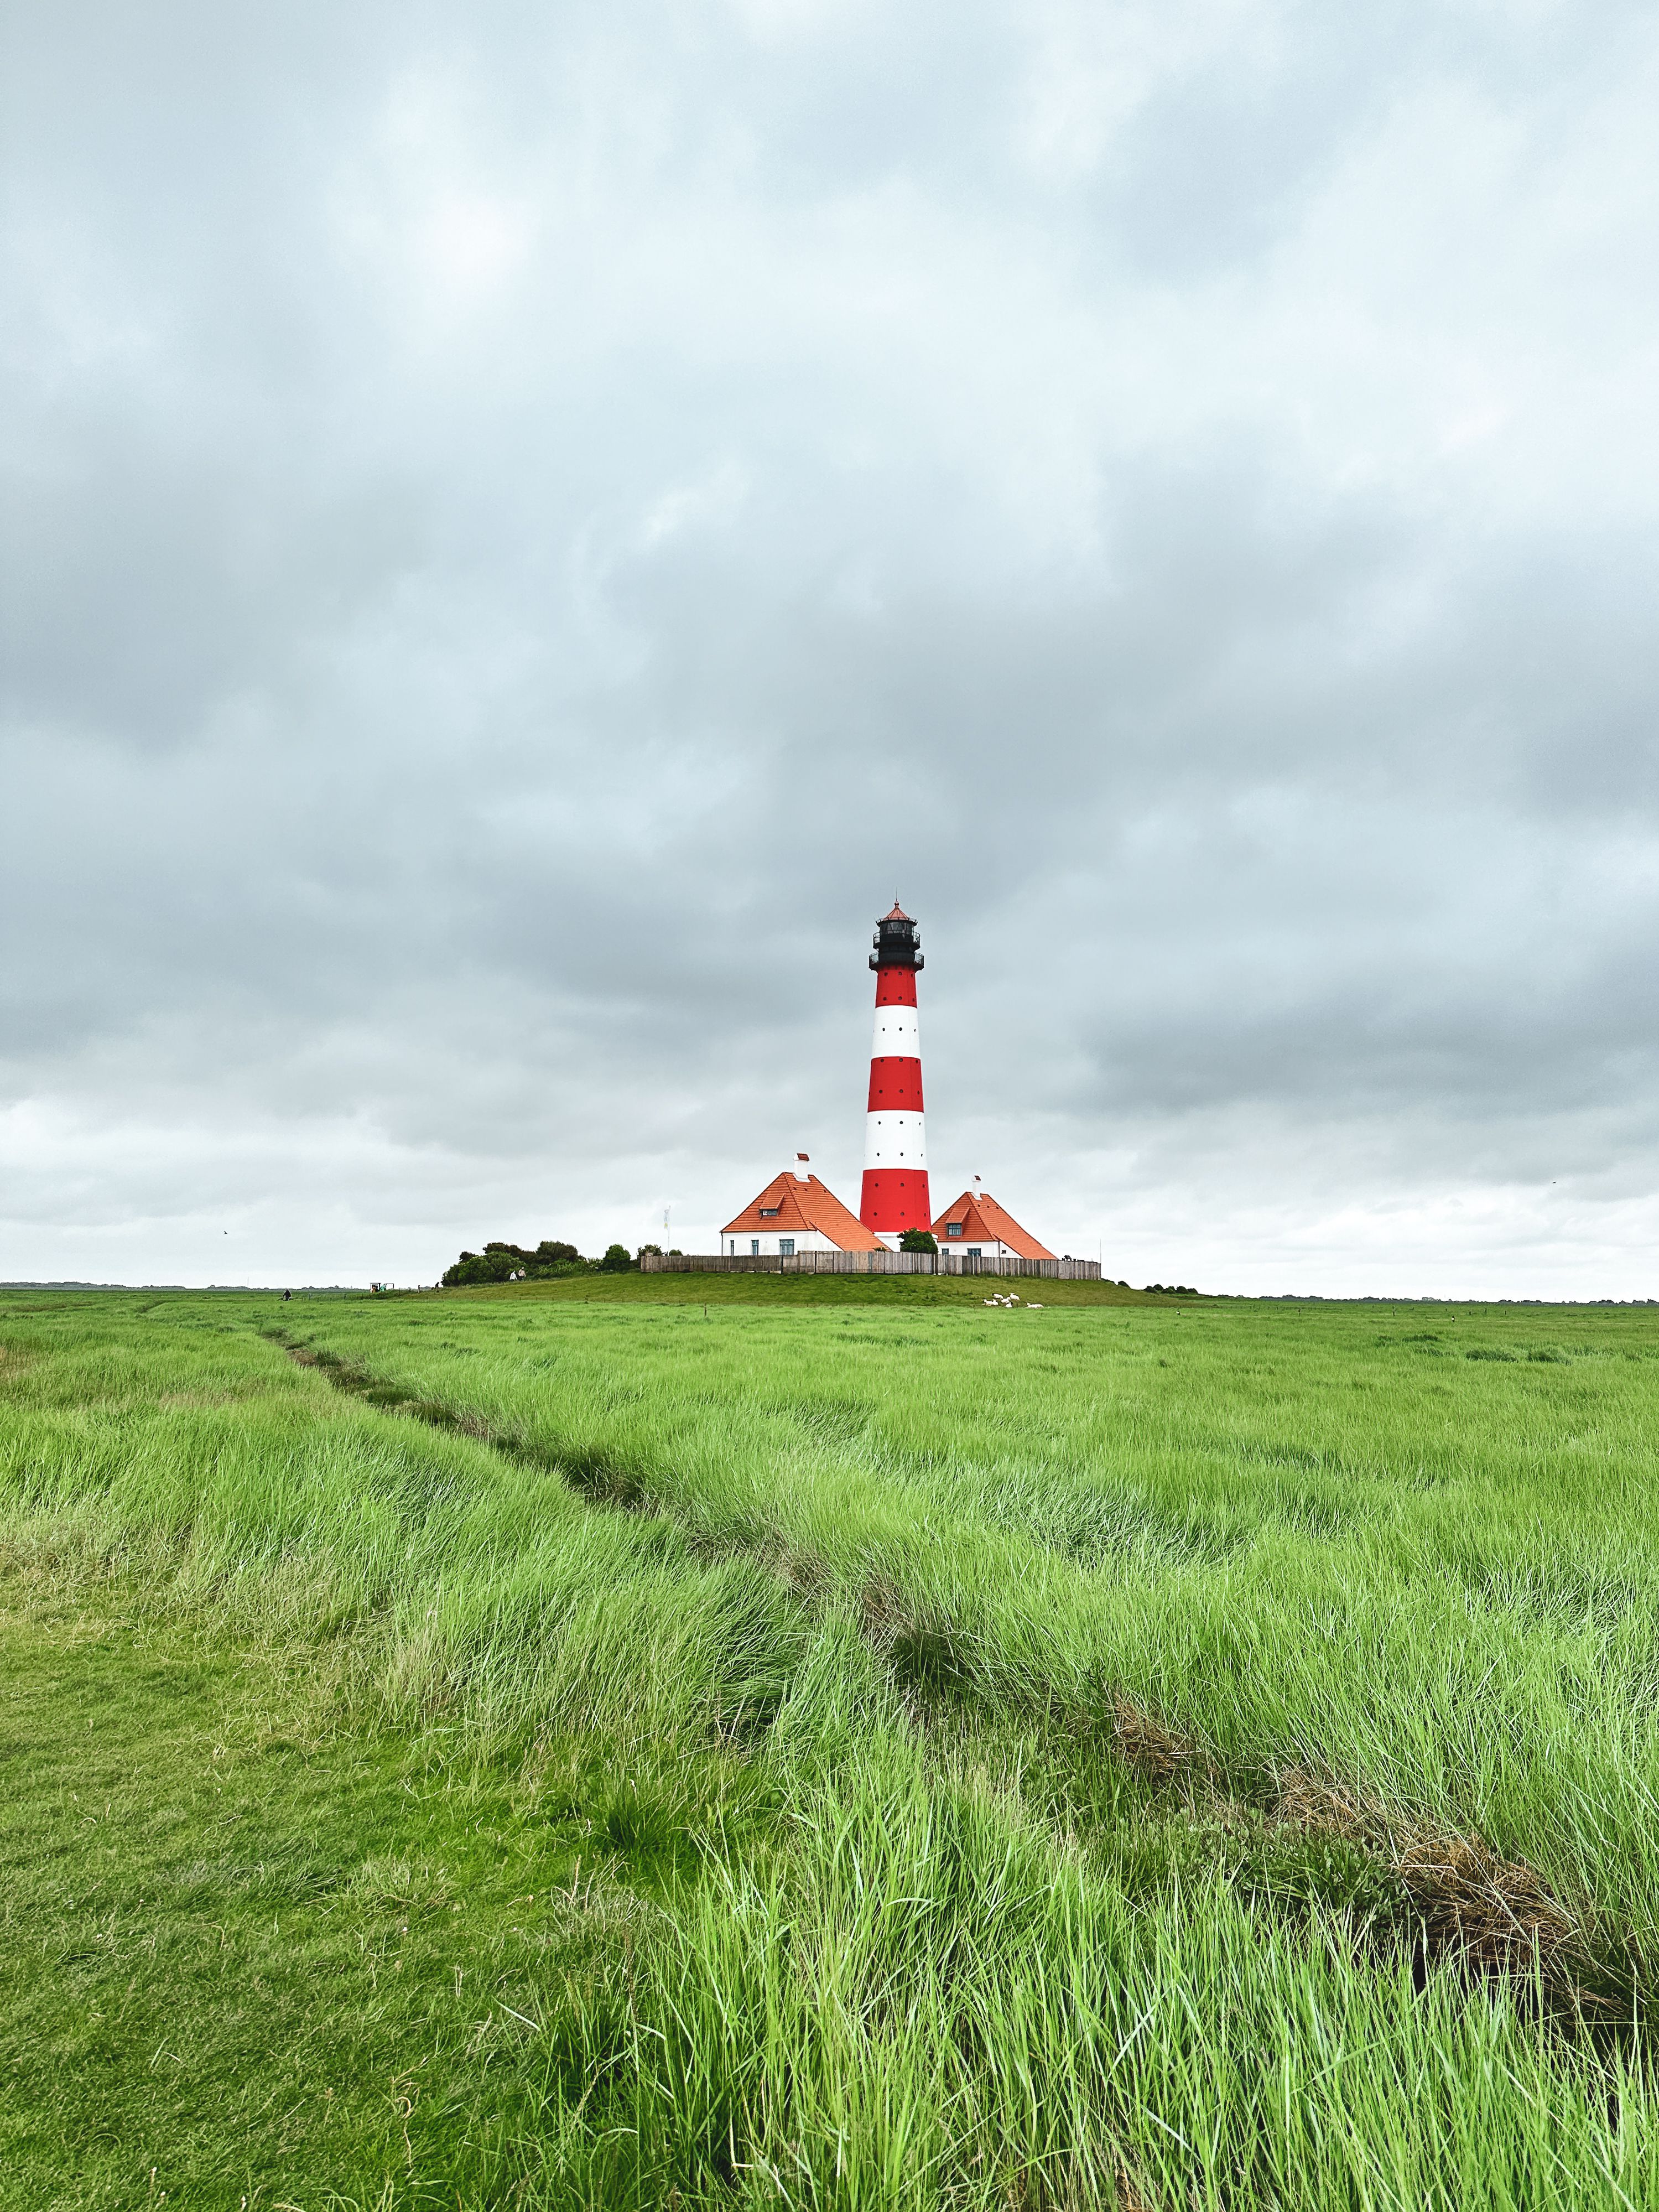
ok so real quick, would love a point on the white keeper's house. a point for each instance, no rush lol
(795, 1213)
(980, 1229)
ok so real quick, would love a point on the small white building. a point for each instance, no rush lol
(795, 1213)
(980, 1229)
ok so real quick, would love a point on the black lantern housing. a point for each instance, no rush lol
(898, 942)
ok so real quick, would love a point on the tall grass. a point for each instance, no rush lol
(928, 2003)
(200, 1464)
(1038, 1636)
(1335, 1543)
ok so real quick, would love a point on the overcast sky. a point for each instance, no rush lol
(527, 525)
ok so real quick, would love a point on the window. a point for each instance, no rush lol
(953, 1228)
(754, 1248)
(770, 1212)
(785, 1246)
(973, 1251)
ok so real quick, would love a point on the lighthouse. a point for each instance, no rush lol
(895, 1194)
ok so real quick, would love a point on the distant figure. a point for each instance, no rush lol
(287, 1295)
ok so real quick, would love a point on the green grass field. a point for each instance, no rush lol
(754, 1741)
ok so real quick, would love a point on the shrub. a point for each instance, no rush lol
(504, 1263)
(918, 1240)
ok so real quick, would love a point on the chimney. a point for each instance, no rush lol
(802, 1172)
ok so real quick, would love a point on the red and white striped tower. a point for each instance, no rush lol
(895, 1195)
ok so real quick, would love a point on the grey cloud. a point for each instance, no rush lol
(527, 530)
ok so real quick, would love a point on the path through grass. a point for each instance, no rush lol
(249, 1956)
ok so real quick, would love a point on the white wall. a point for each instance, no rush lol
(806, 1240)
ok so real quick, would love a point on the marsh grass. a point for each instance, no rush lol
(931, 2003)
(1185, 1755)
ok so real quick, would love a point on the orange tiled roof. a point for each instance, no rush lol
(984, 1222)
(809, 1204)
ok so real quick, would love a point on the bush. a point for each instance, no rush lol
(918, 1240)
(506, 1263)
(616, 1260)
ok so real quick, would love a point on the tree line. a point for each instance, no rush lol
(514, 1263)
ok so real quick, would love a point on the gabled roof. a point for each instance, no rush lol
(984, 1222)
(808, 1205)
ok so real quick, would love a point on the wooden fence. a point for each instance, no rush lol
(862, 1263)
